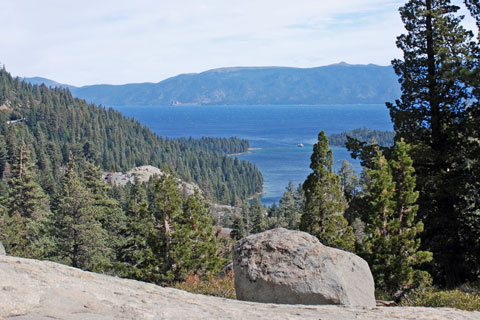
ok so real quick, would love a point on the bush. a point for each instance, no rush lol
(464, 298)
(219, 287)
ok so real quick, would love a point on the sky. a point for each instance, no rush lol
(128, 41)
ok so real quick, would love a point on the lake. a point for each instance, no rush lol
(274, 132)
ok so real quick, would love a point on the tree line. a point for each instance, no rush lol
(153, 232)
(383, 138)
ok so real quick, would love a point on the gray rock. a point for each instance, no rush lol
(2, 250)
(293, 267)
(37, 290)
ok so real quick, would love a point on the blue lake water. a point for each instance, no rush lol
(275, 130)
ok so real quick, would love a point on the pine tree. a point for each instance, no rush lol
(194, 245)
(80, 239)
(26, 196)
(24, 226)
(435, 117)
(290, 209)
(349, 180)
(257, 217)
(275, 219)
(324, 203)
(108, 210)
(168, 207)
(391, 245)
(137, 258)
(238, 227)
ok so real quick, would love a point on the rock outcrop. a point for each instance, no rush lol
(143, 174)
(2, 250)
(285, 266)
(41, 290)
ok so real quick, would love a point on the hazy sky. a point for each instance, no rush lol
(120, 41)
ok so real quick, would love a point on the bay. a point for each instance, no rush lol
(274, 133)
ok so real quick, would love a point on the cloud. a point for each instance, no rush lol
(86, 42)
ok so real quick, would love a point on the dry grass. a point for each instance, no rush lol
(213, 286)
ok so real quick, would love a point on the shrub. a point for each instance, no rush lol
(432, 297)
(219, 287)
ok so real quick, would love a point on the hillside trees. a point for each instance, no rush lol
(324, 204)
(438, 115)
(54, 203)
(55, 124)
(167, 237)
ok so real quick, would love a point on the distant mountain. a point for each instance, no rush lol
(335, 84)
(47, 82)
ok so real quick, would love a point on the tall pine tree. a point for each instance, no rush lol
(25, 225)
(80, 239)
(434, 115)
(324, 204)
(391, 244)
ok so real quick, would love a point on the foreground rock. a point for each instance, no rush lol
(284, 266)
(31, 289)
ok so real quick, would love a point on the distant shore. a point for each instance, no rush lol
(242, 153)
(256, 195)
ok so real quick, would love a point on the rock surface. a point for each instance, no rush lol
(2, 250)
(285, 266)
(31, 289)
(143, 174)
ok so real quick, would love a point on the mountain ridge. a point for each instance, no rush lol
(340, 83)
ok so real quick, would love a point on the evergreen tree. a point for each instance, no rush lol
(238, 228)
(245, 213)
(391, 245)
(324, 204)
(194, 245)
(257, 217)
(80, 239)
(26, 196)
(274, 217)
(434, 115)
(137, 258)
(290, 209)
(24, 226)
(349, 180)
(167, 209)
(108, 210)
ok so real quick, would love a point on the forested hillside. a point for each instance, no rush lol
(383, 138)
(52, 123)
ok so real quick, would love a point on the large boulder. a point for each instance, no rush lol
(293, 267)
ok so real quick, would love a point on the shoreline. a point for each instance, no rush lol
(256, 195)
(242, 153)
